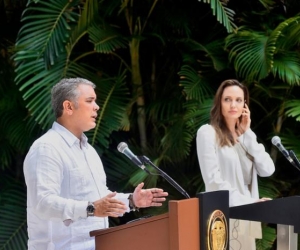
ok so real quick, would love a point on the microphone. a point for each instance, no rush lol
(123, 148)
(277, 142)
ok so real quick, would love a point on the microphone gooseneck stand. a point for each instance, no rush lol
(294, 157)
(164, 175)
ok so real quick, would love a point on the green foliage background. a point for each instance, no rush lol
(156, 65)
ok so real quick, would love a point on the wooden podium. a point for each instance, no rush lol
(184, 227)
(176, 230)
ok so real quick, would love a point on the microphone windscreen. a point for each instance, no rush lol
(121, 147)
(276, 140)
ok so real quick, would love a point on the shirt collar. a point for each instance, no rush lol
(70, 138)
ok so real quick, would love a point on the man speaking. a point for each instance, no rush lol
(67, 195)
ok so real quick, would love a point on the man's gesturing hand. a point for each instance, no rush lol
(109, 206)
(152, 197)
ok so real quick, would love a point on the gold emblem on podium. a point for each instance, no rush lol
(217, 231)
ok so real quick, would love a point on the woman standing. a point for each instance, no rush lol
(230, 157)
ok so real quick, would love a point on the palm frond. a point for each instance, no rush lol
(250, 54)
(45, 33)
(287, 33)
(15, 137)
(287, 67)
(87, 17)
(293, 109)
(286, 63)
(197, 114)
(106, 39)
(141, 176)
(16, 131)
(217, 55)
(13, 225)
(33, 71)
(113, 101)
(6, 154)
(38, 88)
(224, 15)
(268, 187)
(176, 143)
(195, 86)
(35, 76)
(37, 91)
(268, 238)
(163, 109)
(211, 55)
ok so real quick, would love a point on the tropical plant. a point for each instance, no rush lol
(101, 41)
(13, 229)
(156, 65)
(62, 38)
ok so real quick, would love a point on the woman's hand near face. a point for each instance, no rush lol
(243, 123)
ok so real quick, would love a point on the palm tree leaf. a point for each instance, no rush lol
(27, 68)
(176, 143)
(141, 176)
(251, 53)
(213, 55)
(195, 86)
(87, 17)
(287, 67)
(198, 114)
(268, 238)
(224, 15)
(16, 131)
(45, 33)
(38, 79)
(288, 139)
(37, 93)
(106, 39)
(164, 109)
(38, 88)
(293, 109)
(6, 153)
(113, 100)
(285, 36)
(13, 226)
(273, 45)
(287, 33)
(14, 138)
(215, 51)
(268, 187)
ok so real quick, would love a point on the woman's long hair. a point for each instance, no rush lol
(224, 136)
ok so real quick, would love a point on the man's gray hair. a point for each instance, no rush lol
(66, 89)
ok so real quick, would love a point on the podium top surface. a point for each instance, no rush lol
(128, 225)
(279, 211)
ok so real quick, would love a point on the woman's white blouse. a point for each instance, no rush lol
(221, 167)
